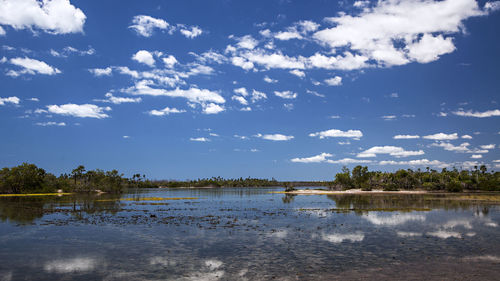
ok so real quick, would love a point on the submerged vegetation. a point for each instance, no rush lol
(431, 180)
(28, 178)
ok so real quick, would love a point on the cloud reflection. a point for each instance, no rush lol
(71, 265)
(395, 219)
(339, 238)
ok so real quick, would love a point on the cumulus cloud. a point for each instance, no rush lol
(405, 137)
(419, 162)
(191, 32)
(44, 124)
(31, 66)
(195, 95)
(145, 25)
(240, 99)
(399, 32)
(166, 111)
(298, 73)
(346, 161)
(334, 133)
(241, 91)
(334, 81)
(201, 139)
(441, 136)
(144, 57)
(51, 16)
(274, 137)
(285, 94)
(463, 147)
(488, 146)
(12, 100)
(269, 80)
(395, 151)
(212, 108)
(101, 71)
(118, 100)
(466, 137)
(80, 110)
(477, 114)
(313, 159)
(256, 96)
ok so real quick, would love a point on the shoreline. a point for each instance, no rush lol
(350, 191)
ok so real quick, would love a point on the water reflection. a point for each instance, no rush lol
(239, 234)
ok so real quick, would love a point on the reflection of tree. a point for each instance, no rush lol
(405, 202)
(28, 209)
(288, 198)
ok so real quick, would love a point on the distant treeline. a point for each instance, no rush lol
(446, 180)
(28, 178)
(220, 182)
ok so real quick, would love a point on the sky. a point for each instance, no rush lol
(293, 90)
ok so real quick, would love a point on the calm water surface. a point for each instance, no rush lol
(248, 234)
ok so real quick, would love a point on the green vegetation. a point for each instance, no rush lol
(432, 180)
(220, 182)
(28, 178)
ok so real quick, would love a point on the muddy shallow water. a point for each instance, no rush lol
(249, 234)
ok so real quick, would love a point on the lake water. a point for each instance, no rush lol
(249, 234)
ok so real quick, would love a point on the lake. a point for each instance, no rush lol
(249, 234)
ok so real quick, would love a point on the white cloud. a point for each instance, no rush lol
(492, 6)
(334, 81)
(389, 117)
(464, 147)
(287, 35)
(83, 110)
(441, 136)
(166, 111)
(240, 99)
(270, 80)
(201, 139)
(347, 61)
(346, 161)
(275, 137)
(66, 51)
(194, 95)
(314, 93)
(256, 96)
(488, 146)
(34, 99)
(169, 61)
(466, 137)
(192, 32)
(51, 16)
(286, 94)
(101, 71)
(477, 114)
(2, 31)
(31, 66)
(144, 57)
(44, 124)
(145, 25)
(334, 133)
(419, 162)
(212, 108)
(395, 151)
(399, 32)
(405, 137)
(241, 91)
(118, 100)
(476, 156)
(313, 159)
(298, 73)
(429, 48)
(247, 42)
(13, 100)
(267, 60)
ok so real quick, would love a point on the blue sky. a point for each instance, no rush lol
(285, 89)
